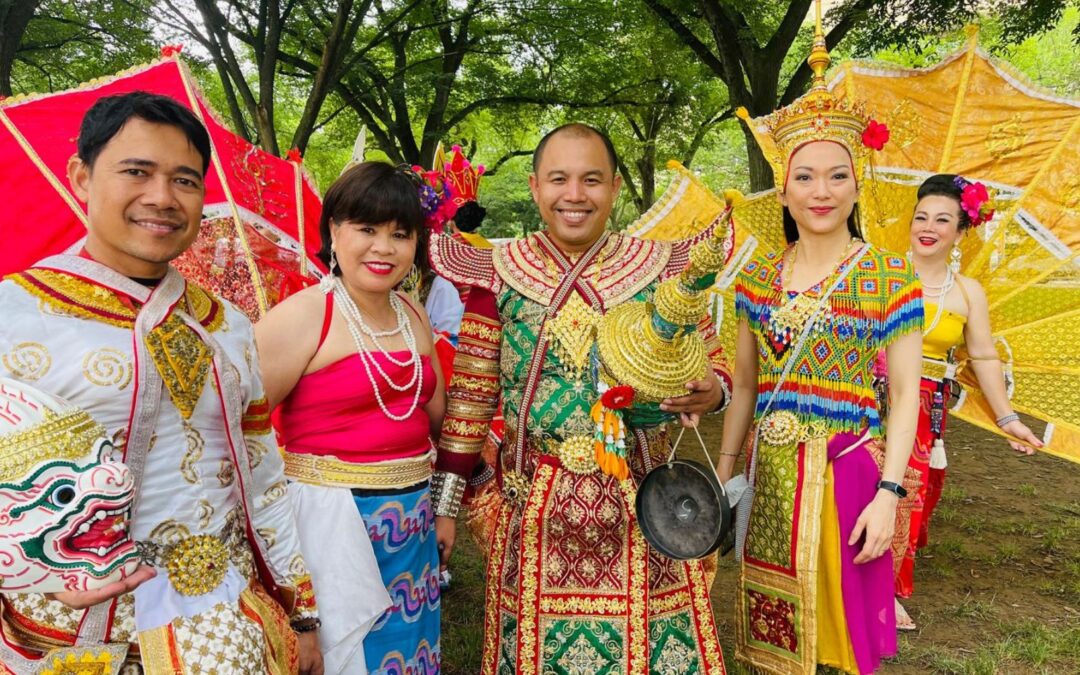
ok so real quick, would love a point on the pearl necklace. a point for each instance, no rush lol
(950, 279)
(358, 328)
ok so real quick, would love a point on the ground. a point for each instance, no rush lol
(997, 590)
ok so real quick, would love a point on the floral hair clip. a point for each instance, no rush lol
(436, 197)
(876, 135)
(974, 200)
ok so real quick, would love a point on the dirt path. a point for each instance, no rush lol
(997, 591)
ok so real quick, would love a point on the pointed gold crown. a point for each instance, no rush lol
(816, 116)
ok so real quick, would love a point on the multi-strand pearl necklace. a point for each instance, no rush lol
(942, 291)
(358, 328)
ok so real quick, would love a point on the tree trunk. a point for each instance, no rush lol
(15, 16)
(761, 174)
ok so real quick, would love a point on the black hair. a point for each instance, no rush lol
(375, 193)
(469, 216)
(108, 115)
(577, 129)
(791, 230)
(946, 185)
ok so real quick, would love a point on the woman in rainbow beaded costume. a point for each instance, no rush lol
(814, 537)
(956, 311)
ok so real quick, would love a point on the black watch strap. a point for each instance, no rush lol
(892, 487)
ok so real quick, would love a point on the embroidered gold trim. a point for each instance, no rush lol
(331, 471)
(76, 297)
(576, 454)
(55, 437)
(205, 307)
(183, 361)
(28, 361)
(624, 266)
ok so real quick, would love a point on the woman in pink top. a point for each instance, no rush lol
(351, 363)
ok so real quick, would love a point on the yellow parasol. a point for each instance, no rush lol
(976, 116)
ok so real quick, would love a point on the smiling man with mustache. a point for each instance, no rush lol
(169, 370)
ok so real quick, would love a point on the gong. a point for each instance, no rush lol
(683, 510)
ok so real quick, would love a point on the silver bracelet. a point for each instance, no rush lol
(727, 395)
(1007, 419)
(447, 490)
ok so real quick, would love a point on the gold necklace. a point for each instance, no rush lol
(791, 316)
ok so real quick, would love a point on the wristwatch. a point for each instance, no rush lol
(892, 487)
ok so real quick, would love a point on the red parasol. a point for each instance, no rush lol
(259, 233)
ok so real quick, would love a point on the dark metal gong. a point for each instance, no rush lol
(683, 510)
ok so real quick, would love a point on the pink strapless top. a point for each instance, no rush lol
(333, 411)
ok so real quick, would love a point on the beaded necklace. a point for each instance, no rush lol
(794, 311)
(942, 291)
(358, 328)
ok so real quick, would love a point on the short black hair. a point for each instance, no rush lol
(469, 216)
(108, 115)
(578, 129)
(375, 193)
(946, 185)
(791, 230)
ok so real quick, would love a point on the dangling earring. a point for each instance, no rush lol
(329, 280)
(411, 283)
(954, 259)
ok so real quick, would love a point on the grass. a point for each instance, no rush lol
(1026, 490)
(463, 609)
(973, 610)
(1007, 552)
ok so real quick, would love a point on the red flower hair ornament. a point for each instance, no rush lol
(876, 135)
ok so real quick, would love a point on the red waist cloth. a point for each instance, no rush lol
(333, 411)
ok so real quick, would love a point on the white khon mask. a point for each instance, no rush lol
(65, 503)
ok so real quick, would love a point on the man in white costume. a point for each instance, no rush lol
(170, 371)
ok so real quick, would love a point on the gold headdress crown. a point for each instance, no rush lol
(816, 116)
(35, 426)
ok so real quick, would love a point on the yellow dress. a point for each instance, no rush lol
(948, 332)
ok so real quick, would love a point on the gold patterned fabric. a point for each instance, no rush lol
(572, 585)
(199, 425)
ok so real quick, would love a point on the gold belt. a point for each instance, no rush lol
(196, 564)
(938, 370)
(783, 427)
(331, 471)
(576, 453)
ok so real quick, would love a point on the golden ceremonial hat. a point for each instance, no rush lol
(817, 116)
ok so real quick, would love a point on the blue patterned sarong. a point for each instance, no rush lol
(401, 525)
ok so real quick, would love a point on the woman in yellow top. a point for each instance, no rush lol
(956, 311)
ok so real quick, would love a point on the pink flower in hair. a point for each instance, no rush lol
(975, 201)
